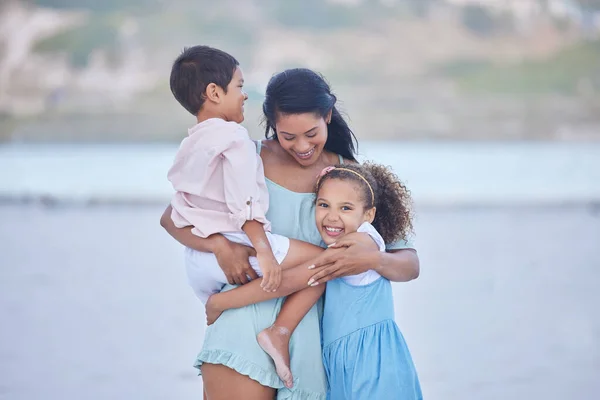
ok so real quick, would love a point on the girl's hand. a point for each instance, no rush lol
(271, 271)
(355, 253)
(233, 260)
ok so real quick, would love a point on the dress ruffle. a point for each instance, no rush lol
(255, 372)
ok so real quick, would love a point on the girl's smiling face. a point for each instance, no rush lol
(340, 209)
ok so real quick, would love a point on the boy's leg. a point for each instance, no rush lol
(203, 273)
(295, 277)
(275, 340)
(300, 253)
(297, 305)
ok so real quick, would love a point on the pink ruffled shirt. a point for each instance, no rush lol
(219, 180)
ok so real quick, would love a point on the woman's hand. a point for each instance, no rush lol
(233, 260)
(355, 253)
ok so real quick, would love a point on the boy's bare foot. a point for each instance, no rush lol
(275, 341)
(212, 312)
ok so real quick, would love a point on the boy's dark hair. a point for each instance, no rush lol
(195, 69)
(299, 91)
(393, 218)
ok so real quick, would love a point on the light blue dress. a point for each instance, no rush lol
(364, 353)
(231, 340)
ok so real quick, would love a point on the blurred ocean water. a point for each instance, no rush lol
(437, 173)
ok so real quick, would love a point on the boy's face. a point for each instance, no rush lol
(233, 100)
(340, 209)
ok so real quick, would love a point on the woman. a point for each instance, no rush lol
(305, 133)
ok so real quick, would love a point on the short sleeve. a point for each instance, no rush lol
(366, 227)
(400, 244)
(369, 276)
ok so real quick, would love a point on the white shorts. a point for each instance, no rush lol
(207, 278)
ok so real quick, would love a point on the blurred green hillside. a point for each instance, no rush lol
(412, 69)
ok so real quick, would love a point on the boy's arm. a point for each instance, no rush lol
(266, 260)
(241, 174)
(256, 233)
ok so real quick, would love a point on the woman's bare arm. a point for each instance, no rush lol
(187, 238)
(357, 253)
(399, 265)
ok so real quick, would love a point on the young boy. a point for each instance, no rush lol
(217, 175)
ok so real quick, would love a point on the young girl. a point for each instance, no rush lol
(364, 353)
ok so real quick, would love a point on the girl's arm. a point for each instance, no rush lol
(357, 253)
(232, 257)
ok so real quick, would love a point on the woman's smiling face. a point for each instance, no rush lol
(303, 136)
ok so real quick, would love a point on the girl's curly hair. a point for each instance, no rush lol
(393, 218)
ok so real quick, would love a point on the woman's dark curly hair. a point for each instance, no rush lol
(393, 218)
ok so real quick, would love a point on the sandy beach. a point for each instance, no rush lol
(94, 304)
